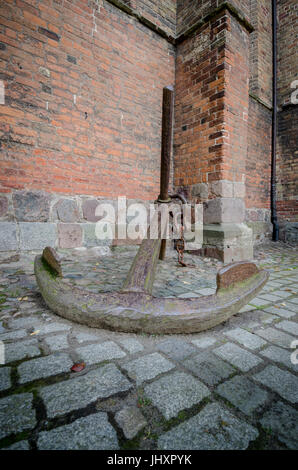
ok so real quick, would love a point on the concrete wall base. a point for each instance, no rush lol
(227, 242)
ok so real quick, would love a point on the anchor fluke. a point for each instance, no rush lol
(51, 257)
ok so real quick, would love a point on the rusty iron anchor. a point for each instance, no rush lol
(134, 309)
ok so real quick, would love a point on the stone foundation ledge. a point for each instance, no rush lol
(31, 220)
(24, 236)
(40, 206)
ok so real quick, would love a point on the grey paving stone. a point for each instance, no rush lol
(290, 306)
(243, 394)
(5, 382)
(95, 353)
(53, 327)
(247, 308)
(282, 382)
(57, 342)
(269, 297)
(16, 414)
(176, 348)
(281, 312)
(268, 318)
(132, 345)
(249, 340)
(80, 391)
(238, 357)
(294, 300)
(274, 276)
(10, 335)
(84, 337)
(283, 421)
(175, 392)
(209, 368)
(27, 306)
(280, 355)
(214, 428)
(93, 432)
(252, 325)
(21, 350)
(204, 342)
(20, 445)
(44, 367)
(276, 284)
(147, 367)
(289, 326)
(26, 322)
(258, 302)
(277, 337)
(266, 289)
(131, 421)
(282, 294)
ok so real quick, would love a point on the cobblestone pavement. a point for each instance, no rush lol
(232, 387)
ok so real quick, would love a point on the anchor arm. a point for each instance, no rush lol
(142, 272)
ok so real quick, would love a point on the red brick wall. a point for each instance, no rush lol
(287, 153)
(199, 106)
(83, 99)
(287, 53)
(212, 104)
(287, 164)
(258, 163)
(160, 12)
(237, 101)
(261, 50)
(190, 12)
(83, 83)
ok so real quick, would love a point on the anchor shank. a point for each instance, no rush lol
(142, 272)
(166, 146)
(166, 142)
